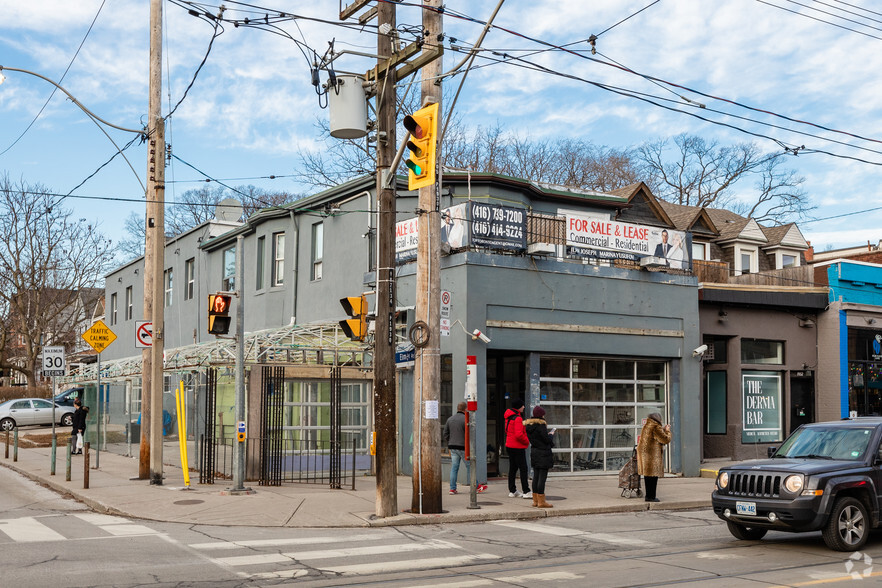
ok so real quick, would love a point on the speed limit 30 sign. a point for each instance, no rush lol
(54, 363)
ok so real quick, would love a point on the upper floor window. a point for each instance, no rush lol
(129, 304)
(229, 282)
(278, 259)
(762, 351)
(745, 261)
(317, 250)
(113, 304)
(190, 278)
(787, 259)
(167, 285)
(698, 250)
(261, 247)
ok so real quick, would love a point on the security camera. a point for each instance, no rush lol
(476, 334)
(700, 350)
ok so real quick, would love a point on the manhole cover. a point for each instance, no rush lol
(186, 502)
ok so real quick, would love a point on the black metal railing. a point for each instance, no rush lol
(291, 460)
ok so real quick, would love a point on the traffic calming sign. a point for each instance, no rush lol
(99, 336)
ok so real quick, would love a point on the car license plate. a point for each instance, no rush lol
(745, 508)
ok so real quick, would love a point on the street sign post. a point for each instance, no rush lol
(99, 337)
(54, 364)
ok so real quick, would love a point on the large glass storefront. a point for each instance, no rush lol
(865, 372)
(598, 407)
(307, 413)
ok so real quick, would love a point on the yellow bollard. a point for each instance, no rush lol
(181, 405)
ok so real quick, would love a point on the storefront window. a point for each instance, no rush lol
(307, 414)
(598, 407)
(865, 372)
(760, 351)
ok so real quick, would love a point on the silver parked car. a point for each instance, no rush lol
(33, 411)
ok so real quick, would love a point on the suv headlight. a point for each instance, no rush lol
(793, 484)
(723, 480)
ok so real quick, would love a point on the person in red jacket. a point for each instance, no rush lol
(516, 444)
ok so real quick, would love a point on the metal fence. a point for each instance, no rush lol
(292, 460)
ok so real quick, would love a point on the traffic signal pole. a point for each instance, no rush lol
(427, 371)
(239, 454)
(384, 360)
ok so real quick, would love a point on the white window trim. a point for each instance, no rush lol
(278, 276)
(704, 251)
(779, 258)
(754, 259)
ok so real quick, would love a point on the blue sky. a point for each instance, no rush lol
(252, 107)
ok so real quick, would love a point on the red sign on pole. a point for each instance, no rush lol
(143, 334)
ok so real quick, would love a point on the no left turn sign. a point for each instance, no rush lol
(143, 334)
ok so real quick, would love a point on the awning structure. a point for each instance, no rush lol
(316, 344)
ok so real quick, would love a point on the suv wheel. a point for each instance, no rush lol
(746, 533)
(847, 529)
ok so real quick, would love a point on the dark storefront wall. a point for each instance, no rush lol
(754, 392)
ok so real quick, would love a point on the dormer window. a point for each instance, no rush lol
(786, 258)
(746, 260)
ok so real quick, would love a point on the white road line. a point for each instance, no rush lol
(93, 518)
(466, 584)
(252, 560)
(371, 550)
(281, 574)
(218, 545)
(542, 577)
(28, 530)
(128, 530)
(565, 532)
(413, 564)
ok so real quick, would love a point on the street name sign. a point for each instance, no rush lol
(99, 336)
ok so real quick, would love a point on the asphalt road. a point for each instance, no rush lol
(48, 540)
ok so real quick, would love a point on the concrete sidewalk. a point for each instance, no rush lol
(112, 490)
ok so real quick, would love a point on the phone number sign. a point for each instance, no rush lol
(498, 227)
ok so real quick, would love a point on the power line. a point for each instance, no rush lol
(626, 18)
(821, 20)
(54, 89)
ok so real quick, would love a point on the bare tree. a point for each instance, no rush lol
(47, 260)
(696, 172)
(194, 207)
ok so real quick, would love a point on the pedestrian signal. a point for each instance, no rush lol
(219, 318)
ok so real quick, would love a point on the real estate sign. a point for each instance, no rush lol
(601, 238)
(761, 420)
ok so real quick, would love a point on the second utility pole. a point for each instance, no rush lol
(427, 371)
(384, 337)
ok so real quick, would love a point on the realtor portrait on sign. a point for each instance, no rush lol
(675, 247)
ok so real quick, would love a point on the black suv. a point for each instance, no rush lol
(825, 476)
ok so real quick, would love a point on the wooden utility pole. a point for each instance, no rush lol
(427, 370)
(154, 262)
(384, 340)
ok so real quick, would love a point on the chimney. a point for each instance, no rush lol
(810, 252)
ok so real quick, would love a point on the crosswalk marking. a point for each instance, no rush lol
(247, 560)
(401, 566)
(222, 545)
(540, 577)
(252, 560)
(94, 518)
(28, 530)
(128, 530)
(565, 532)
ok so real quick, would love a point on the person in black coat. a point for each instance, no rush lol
(541, 457)
(79, 425)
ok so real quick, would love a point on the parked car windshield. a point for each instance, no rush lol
(846, 443)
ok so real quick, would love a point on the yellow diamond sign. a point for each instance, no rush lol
(99, 336)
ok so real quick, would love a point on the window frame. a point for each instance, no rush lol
(190, 278)
(130, 303)
(318, 238)
(168, 278)
(753, 254)
(114, 302)
(261, 248)
(228, 281)
(278, 267)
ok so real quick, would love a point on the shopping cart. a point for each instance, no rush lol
(629, 479)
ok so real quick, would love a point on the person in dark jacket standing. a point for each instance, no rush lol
(454, 437)
(649, 453)
(541, 457)
(79, 424)
(516, 444)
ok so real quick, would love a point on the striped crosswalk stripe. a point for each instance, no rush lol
(566, 532)
(28, 530)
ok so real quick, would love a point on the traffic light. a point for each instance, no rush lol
(219, 318)
(357, 308)
(423, 127)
